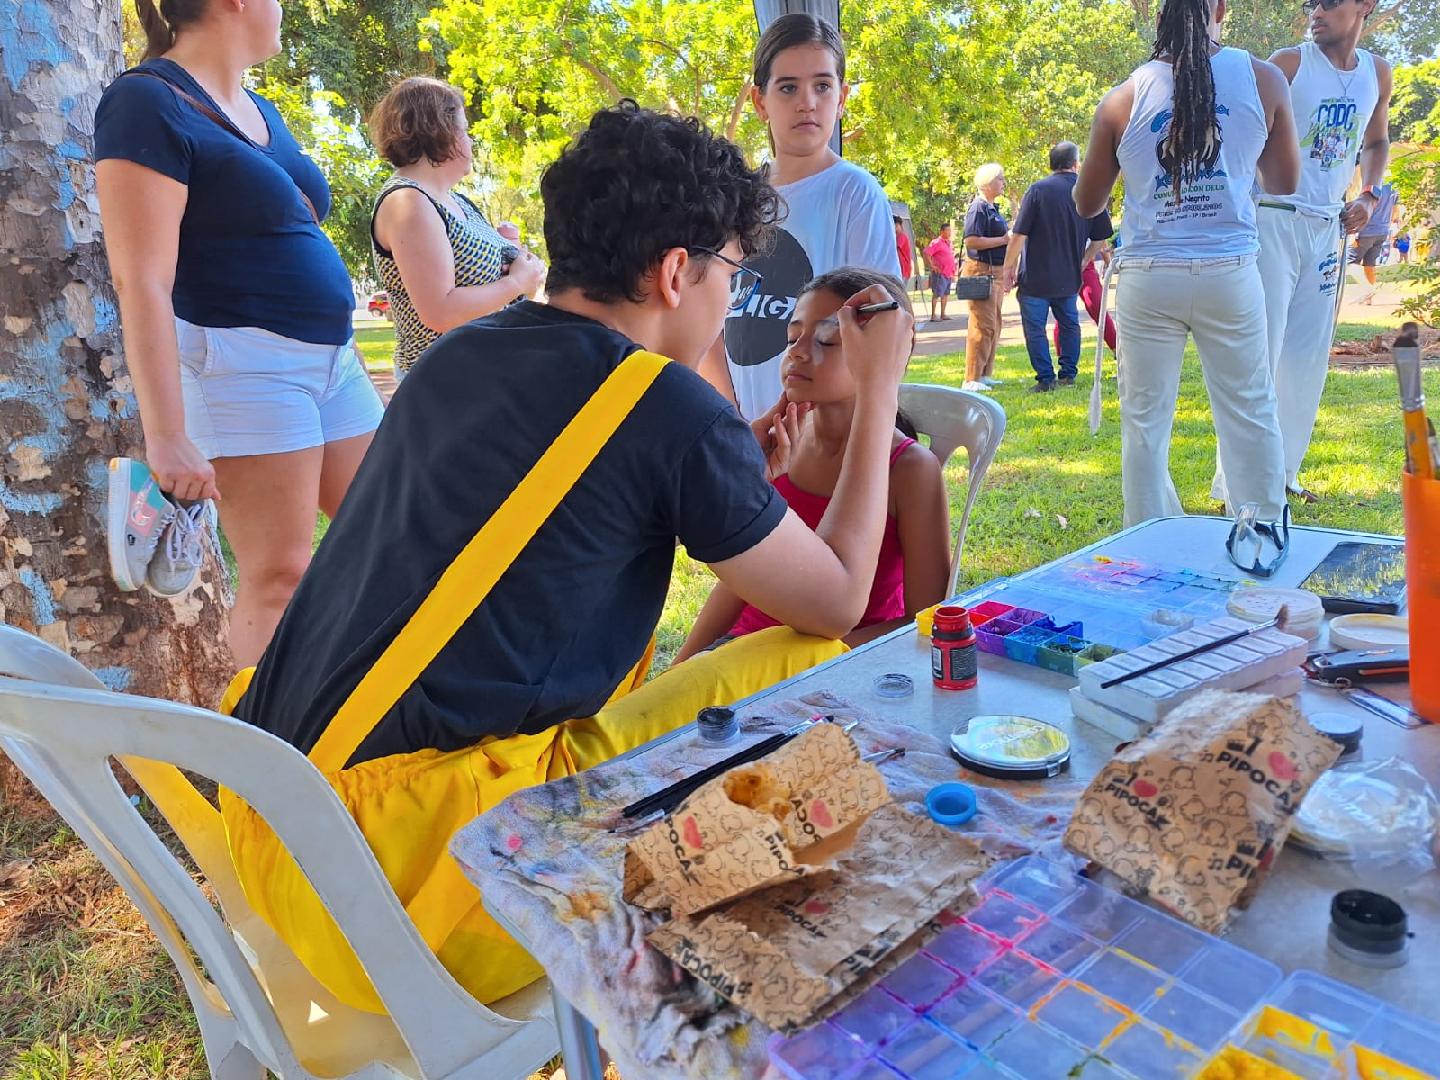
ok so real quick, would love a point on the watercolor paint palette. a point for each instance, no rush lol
(1314, 1028)
(1090, 608)
(1049, 976)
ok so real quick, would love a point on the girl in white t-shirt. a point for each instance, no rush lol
(835, 213)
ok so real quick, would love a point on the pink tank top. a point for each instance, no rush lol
(887, 594)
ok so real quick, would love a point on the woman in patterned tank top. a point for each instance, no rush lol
(441, 261)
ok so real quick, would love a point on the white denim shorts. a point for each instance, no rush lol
(248, 391)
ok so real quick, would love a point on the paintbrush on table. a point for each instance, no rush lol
(1210, 646)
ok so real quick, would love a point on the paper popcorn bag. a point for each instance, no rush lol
(775, 820)
(1194, 813)
(789, 953)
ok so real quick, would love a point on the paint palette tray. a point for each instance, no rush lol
(1114, 601)
(1314, 1027)
(1048, 976)
(1148, 698)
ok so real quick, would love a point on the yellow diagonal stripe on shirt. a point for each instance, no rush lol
(468, 580)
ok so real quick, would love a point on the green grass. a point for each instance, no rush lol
(376, 345)
(1398, 272)
(85, 991)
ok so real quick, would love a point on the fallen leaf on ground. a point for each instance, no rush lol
(14, 874)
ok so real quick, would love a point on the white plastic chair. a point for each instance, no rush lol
(257, 1007)
(952, 419)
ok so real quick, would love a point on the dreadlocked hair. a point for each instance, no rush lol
(1192, 143)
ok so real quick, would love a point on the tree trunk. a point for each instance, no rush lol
(66, 400)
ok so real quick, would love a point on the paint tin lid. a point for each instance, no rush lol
(1011, 747)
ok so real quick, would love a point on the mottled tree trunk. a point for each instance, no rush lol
(66, 400)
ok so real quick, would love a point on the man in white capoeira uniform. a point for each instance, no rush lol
(1341, 98)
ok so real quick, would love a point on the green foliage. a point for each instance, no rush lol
(1415, 104)
(1415, 172)
(937, 88)
(535, 71)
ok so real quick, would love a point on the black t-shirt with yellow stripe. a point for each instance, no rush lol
(574, 613)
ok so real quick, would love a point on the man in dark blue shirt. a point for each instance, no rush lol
(1050, 245)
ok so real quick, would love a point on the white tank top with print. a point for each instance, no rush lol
(1213, 217)
(1332, 109)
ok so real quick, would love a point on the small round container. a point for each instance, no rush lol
(1364, 630)
(951, 804)
(1011, 747)
(1304, 613)
(893, 684)
(1369, 929)
(1348, 731)
(717, 726)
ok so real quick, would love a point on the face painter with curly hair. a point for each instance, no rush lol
(648, 218)
(1193, 130)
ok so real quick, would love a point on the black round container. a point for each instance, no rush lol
(1370, 929)
(1348, 731)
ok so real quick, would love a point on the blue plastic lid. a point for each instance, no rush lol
(951, 804)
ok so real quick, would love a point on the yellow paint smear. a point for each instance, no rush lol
(1232, 1063)
(1290, 1029)
(1373, 1065)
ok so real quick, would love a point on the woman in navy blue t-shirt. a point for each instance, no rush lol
(236, 307)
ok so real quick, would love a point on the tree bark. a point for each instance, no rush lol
(66, 400)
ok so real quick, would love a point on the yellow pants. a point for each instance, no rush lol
(408, 806)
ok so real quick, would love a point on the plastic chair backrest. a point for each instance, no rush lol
(61, 727)
(951, 419)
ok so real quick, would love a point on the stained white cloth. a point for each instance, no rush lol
(838, 217)
(1212, 216)
(1158, 304)
(546, 860)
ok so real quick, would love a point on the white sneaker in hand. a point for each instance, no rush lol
(181, 550)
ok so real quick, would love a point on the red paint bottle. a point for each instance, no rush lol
(953, 655)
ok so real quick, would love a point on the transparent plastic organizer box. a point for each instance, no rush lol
(1050, 976)
(1314, 1028)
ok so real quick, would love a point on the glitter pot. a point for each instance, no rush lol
(717, 726)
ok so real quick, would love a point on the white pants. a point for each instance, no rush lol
(1300, 272)
(1158, 305)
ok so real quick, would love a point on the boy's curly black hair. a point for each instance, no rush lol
(636, 183)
